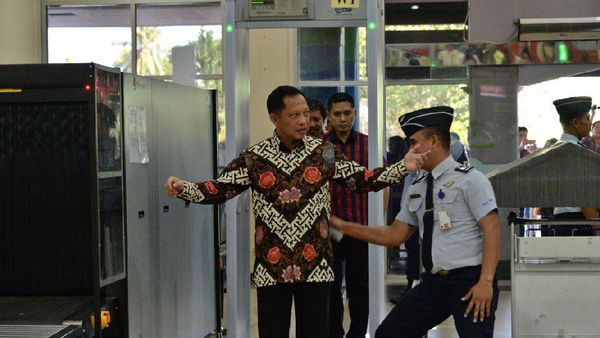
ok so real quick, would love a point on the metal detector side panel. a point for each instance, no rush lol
(183, 136)
(142, 186)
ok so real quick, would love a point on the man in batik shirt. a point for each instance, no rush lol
(289, 175)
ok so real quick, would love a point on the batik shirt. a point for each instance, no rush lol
(291, 203)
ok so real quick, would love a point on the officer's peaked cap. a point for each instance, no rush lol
(572, 107)
(435, 116)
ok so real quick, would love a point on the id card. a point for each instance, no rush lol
(444, 220)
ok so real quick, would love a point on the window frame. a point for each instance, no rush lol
(133, 25)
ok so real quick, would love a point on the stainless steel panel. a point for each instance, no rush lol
(142, 186)
(559, 301)
(559, 248)
(564, 174)
(183, 137)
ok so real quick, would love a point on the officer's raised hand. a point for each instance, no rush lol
(413, 160)
(173, 186)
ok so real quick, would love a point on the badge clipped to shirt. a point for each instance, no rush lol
(444, 220)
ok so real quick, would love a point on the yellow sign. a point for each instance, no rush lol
(10, 90)
(345, 3)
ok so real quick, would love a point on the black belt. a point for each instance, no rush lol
(458, 271)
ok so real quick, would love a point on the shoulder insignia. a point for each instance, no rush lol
(464, 168)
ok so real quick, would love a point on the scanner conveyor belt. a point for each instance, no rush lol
(34, 317)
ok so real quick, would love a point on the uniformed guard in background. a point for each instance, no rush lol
(454, 208)
(576, 122)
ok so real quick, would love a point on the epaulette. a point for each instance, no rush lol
(420, 178)
(464, 168)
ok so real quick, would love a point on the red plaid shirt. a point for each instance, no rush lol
(347, 203)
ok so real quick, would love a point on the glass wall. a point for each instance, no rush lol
(100, 34)
(87, 32)
(160, 28)
(402, 99)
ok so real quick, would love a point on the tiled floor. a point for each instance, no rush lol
(444, 330)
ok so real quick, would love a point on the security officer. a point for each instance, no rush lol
(576, 122)
(454, 209)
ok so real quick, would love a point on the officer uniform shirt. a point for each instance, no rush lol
(467, 196)
(561, 210)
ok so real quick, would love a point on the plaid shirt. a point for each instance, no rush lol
(291, 203)
(346, 203)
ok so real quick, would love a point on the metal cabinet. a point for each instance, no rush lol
(168, 131)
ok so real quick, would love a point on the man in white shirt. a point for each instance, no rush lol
(576, 121)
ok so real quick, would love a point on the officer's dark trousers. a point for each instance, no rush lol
(311, 304)
(354, 254)
(432, 301)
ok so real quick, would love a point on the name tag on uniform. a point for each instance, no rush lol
(415, 196)
(444, 220)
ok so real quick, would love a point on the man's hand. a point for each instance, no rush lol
(337, 224)
(413, 160)
(173, 186)
(481, 295)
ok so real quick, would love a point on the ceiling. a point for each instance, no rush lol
(397, 12)
(147, 15)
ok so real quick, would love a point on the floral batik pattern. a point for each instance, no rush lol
(291, 203)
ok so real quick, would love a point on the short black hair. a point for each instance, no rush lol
(523, 129)
(275, 104)
(315, 104)
(442, 132)
(567, 119)
(340, 97)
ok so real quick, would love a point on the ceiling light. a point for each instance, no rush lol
(414, 7)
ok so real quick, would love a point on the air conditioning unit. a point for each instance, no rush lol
(559, 29)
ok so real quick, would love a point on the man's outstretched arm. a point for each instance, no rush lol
(231, 182)
(394, 235)
(361, 179)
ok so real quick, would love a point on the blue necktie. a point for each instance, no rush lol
(428, 225)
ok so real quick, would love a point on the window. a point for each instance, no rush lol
(81, 34)
(402, 99)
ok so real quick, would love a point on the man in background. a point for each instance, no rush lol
(593, 142)
(317, 117)
(575, 119)
(526, 146)
(351, 205)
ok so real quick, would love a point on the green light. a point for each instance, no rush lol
(229, 28)
(372, 25)
(563, 52)
(433, 64)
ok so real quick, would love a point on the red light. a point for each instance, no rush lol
(87, 87)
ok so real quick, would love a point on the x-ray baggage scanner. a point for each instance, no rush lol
(554, 279)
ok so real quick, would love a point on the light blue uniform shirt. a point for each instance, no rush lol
(562, 210)
(467, 197)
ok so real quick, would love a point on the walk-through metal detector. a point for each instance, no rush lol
(240, 16)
